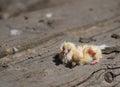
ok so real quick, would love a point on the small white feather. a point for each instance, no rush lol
(49, 15)
(103, 46)
(15, 49)
(15, 32)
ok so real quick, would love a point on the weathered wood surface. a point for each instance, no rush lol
(40, 67)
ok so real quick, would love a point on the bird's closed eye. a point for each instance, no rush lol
(63, 48)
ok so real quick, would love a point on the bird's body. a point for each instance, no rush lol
(86, 54)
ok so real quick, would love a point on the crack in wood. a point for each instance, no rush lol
(90, 76)
(109, 50)
(96, 72)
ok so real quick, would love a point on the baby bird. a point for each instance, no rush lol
(91, 54)
(70, 53)
(66, 54)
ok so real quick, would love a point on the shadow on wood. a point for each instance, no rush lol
(56, 59)
(57, 62)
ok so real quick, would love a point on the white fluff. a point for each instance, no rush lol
(15, 32)
(15, 49)
(103, 46)
(49, 15)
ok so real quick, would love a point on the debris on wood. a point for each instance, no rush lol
(91, 9)
(3, 52)
(15, 49)
(116, 35)
(30, 57)
(41, 21)
(15, 32)
(48, 20)
(26, 17)
(4, 65)
(86, 40)
(49, 15)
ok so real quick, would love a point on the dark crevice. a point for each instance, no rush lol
(109, 50)
(108, 76)
(88, 77)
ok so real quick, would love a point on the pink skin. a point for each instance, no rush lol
(95, 61)
(65, 51)
(91, 52)
(73, 64)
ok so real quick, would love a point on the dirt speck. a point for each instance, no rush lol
(116, 35)
(90, 9)
(26, 17)
(86, 40)
(4, 65)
